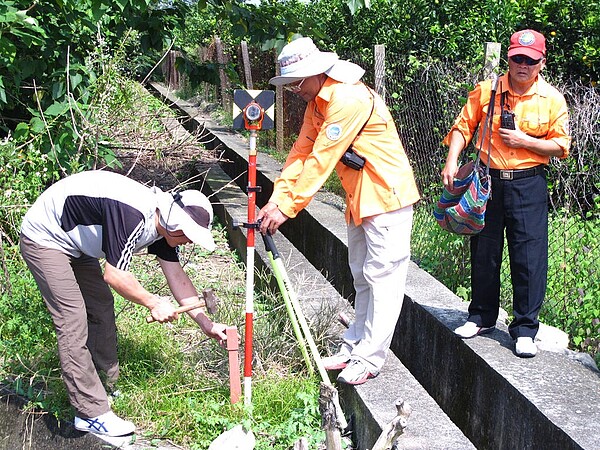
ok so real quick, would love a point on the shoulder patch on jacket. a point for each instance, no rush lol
(333, 131)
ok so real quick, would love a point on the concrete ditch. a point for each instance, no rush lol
(467, 394)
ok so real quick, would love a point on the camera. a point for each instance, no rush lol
(507, 120)
(353, 160)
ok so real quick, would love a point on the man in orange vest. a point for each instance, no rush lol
(533, 128)
(347, 127)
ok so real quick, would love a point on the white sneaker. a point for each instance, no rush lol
(336, 362)
(108, 424)
(355, 373)
(471, 329)
(525, 347)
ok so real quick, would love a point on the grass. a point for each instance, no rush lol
(183, 383)
(174, 380)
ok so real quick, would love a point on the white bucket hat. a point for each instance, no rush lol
(189, 211)
(302, 59)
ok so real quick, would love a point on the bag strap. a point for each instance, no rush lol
(487, 125)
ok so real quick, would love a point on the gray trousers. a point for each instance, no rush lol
(82, 308)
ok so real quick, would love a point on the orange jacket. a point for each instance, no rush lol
(541, 112)
(332, 121)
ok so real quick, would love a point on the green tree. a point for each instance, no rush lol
(44, 45)
(52, 53)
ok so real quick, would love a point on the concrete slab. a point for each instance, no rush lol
(371, 408)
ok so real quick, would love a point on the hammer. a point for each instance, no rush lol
(209, 301)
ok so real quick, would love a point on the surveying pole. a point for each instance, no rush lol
(249, 113)
(249, 333)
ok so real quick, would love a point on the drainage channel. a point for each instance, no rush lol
(465, 394)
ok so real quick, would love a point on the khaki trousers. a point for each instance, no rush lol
(379, 256)
(82, 309)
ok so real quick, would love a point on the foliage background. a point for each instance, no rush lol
(63, 66)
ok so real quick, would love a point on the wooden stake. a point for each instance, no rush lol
(390, 434)
(235, 385)
(247, 65)
(330, 422)
(225, 94)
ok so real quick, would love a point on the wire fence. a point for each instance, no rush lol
(424, 98)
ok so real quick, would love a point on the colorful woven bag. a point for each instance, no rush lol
(461, 210)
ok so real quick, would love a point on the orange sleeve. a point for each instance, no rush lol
(470, 116)
(309, 163)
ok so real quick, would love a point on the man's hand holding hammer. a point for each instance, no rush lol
(187, 296)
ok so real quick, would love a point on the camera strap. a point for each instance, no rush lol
(366, 122)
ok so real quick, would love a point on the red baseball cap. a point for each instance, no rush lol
(529, 43)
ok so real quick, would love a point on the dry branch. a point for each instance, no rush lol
(393, 430)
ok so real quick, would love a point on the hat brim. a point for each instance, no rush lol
(178, 219)
(283, 80)
(346, 72)
(197, 234)
(315, 64)
(527, 51)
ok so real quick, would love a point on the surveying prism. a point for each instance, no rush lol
(253, 110)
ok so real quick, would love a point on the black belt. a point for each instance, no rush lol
(515, 174)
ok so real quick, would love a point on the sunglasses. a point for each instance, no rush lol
(522, 59)
(295, 87)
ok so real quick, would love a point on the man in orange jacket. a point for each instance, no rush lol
(343, 113)
(518, 206)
